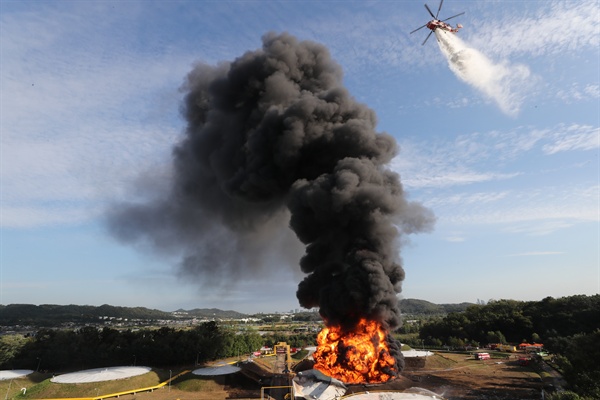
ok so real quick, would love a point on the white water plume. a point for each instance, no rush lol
(503, 83)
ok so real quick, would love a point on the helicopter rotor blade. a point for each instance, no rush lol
(429, 11)
(426, 38)
(421, 27)
(439, 8)
(454, 16)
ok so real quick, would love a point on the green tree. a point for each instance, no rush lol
(433, 342)
(495, 337)
(580, 354)
(566, 395)
(210, 337)
(10, 346)
(456, 343)
(252, 341)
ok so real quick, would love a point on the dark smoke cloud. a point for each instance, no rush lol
(274, 140)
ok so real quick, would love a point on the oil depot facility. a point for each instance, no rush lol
(301, 381)
(275, 375)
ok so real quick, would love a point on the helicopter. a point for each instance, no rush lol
(435, 23)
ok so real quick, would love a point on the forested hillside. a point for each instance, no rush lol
(48, 315)
(515, 321)
(569, 327)
(423, 307)
(53, 315)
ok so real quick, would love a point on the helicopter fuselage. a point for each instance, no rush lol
(437, 24)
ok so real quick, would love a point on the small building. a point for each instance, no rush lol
(531, 347)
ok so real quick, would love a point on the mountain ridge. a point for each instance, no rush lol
(52, 314)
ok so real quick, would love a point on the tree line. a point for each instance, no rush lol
(516, 321)
(90, 347)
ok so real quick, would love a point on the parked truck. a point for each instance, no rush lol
(507, 347)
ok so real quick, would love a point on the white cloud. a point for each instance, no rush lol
(36, 215)
(373, 42)
(592, 90)
(455, 237)
(576, 93)
(467, 199)
(449, 177)
(465, 159)
(76, 125)
(536, 253)
(540, 228)
(439, 178)
(558, 28)
(532, 212)
(471, 158)
(573, 137)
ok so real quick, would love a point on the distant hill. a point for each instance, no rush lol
(423, 307)
(51, 314)
(54, 315)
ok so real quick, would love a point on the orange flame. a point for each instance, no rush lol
(359, 356)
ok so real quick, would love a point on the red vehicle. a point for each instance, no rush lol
(524, 361)
(435, 23)
(482, 356)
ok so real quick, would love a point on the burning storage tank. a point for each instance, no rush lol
(359, 355)
(274, 140)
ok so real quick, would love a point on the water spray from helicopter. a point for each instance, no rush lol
(500, 82)
(503, 83)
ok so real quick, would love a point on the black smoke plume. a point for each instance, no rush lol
(274, 140)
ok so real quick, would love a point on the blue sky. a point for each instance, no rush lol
(90, 106)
